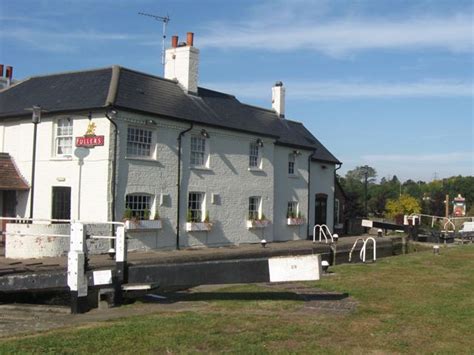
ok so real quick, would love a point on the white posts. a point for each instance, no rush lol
(76, 268)
(121, 262)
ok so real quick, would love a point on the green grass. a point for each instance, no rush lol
(417, 303)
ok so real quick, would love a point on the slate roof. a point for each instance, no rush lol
(10, 177)
(85, 90)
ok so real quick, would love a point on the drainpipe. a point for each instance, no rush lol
(180, 136)
(334, 202)
(309, 189)
(114, 168)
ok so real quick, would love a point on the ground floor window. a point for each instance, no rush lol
(195, 206)
(254, 208)
(138, 205)
(292, 209)
(61, 202)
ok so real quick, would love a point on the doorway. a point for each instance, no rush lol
(61, 208)
(320, 210)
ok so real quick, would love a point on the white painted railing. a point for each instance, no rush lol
(363, 250)
(354, 246)
(323, 231)
(49, 237)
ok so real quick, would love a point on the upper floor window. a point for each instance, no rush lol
(198, 151)
(195, 207)
(253, 155)
(254, 208)
(63, 144)
(291, 164)
(139, 205)
(139, 142)
(292, 209)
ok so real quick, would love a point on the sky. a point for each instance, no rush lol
(388, 83)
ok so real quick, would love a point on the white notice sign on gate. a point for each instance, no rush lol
(295, 268)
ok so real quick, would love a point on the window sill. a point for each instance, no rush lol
(295, 221)
(198, 226)
(255, 224)
(141, 159)
(255, 170)
(203, 168)
(61, 158)
(293, 176)
(143, 225)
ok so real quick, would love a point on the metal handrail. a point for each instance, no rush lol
(354, 246)
(364, 249)
(322, 232)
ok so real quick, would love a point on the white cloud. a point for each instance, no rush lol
(312, 91)
(60, 41)
(342, 35)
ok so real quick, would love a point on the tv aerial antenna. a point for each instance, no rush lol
(165, 20)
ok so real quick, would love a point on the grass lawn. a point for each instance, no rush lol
(417, 303)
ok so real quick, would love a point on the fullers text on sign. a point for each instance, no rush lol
(89, 142)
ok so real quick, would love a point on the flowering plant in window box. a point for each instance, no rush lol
(195, 226)
(136, 224)
(295, 220)
(261, 222)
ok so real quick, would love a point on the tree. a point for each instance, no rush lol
(354, 186)
(359, 174)
(405, 204)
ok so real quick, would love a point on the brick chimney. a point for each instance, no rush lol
(278, 99)
(182, 63)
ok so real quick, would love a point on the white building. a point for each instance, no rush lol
(243, 170)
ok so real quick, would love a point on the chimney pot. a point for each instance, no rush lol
(9, 72)
(174, 41)
(190, 39)
(1, 70)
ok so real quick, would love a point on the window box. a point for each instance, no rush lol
(257, 223)
(147, 224)
(198, 226)
(295, 221)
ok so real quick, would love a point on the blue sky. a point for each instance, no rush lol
(384, 83)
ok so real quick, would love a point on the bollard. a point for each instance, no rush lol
(436, 249)
(76, 277)
(379, 233)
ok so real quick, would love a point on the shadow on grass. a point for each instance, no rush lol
(247, 296)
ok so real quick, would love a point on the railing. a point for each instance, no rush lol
(323, 231)
(436, 218)
(76, 258)
(363, 250)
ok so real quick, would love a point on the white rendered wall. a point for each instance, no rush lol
(60, 171)
(322, 181)
(227, 176)
(290, 188)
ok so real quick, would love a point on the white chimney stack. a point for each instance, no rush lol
(278, 99)
(182, 63)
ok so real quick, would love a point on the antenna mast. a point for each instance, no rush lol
(165, 21)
